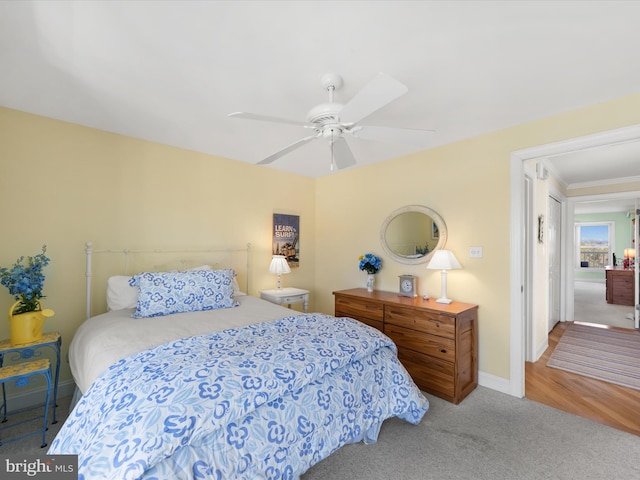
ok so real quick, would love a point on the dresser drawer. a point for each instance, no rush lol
(421, 320)
(433, 345)
(430, 374)
(437, 343)
(366, 312)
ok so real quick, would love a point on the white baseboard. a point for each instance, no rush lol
(494, 383)
(20, 400)
(542, 348)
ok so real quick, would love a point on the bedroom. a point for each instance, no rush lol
(64, 184)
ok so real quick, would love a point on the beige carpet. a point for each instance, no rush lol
(604, 354)
(590, 306)
(488, 436)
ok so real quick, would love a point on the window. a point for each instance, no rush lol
(594, 241)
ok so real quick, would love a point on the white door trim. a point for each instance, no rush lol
(517, 271)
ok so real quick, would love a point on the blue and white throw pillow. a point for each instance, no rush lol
(164, 293)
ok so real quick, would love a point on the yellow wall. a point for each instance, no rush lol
(467, 183)
(472, 199)
(62, 185)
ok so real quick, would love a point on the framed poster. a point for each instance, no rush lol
(286, 237)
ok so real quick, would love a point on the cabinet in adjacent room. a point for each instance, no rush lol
(620, 287)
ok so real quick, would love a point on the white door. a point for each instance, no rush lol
(554, 250)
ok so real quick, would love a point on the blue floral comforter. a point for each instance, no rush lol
(263, 401)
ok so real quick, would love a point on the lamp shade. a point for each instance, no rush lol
(444, 260)
(279, 265)
(629, 253)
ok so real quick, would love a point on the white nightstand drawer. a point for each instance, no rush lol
(287, 296)
(293, 299)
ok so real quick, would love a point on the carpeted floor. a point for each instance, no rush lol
(490, 435)
(31, 444)
(590, 306)
(609, 355)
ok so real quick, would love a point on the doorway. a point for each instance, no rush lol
(518, 254)
(619, 212)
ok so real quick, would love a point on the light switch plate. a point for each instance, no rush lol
(475, 252)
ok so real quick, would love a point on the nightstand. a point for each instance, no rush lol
(30, 351)
(287, 296)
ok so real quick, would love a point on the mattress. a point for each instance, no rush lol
(105, 339)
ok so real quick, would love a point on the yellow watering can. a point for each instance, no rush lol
(27, 327)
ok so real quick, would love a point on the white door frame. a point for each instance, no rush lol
(556, 223)
(517, 268)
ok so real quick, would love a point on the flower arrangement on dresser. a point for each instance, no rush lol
(25, 281)
(371, 264)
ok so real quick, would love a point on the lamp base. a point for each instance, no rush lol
(444, 300)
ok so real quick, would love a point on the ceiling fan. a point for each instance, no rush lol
(332, 121)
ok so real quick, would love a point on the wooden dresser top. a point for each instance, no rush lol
(453, 308)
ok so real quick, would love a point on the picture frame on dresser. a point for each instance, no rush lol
(437, 343)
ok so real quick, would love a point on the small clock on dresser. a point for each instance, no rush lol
(408, 286)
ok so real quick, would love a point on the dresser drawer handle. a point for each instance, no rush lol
(443, 350)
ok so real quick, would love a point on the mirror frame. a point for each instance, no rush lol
(437, 219)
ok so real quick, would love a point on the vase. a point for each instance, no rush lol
(27, 327)
(371, 280)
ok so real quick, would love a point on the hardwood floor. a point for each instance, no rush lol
(603, 402)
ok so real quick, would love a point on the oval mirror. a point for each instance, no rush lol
(411, 234)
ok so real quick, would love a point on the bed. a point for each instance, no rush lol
(246, 390)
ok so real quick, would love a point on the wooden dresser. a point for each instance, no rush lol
(437, 343)
(620, 289)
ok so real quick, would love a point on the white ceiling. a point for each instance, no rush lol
(171, 71)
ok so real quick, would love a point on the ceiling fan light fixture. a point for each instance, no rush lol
(332, 133)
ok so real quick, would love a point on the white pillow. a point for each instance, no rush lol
(236, 288)
(120, 294)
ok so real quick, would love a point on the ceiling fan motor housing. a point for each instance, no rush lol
(324, 114)
(327, 113)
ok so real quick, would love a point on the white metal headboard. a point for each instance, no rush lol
(130, 262)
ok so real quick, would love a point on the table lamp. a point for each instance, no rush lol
(279, 265)
(444, 260)
(629, 256)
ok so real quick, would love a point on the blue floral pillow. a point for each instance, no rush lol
(164, 293)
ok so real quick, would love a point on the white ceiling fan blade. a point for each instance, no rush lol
(288, 149)
(392, 135)
(380, 91)
(342, 155)
(266, 118)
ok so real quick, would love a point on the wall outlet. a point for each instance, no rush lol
(475, 252)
